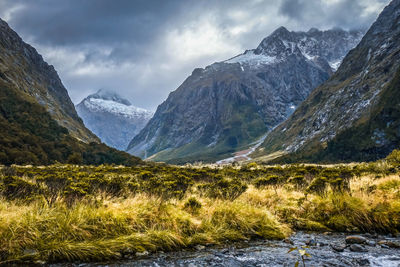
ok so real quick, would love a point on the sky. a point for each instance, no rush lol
(144, 49)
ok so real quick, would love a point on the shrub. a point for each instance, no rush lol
(299, 181)
(15, 187)
(192, 205)
(226, 189)
(318, 186)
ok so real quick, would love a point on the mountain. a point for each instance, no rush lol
(112, 118)
(355, 114)
(25, 69)
(38, 121)
(231, 104)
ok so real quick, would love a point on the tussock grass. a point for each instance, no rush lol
(87, 232)
(118, 223)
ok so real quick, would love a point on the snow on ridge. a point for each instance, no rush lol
(96, 104)
(249, 58)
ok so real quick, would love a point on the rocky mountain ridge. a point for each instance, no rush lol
(112, 118)
(22, 67)
(228, 105)
(352, 97)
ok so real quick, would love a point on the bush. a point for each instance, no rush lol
(226, 189)
(299, 181)
(192, 205)
(318, 186)
(272, 180)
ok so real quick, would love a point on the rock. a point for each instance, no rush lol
(370, 243)
(141, 254)
(288, 241)
(363, 262)
(321, 244)
(384, 246)
(358, 248)
(311, 242)
(327, 233)
(355, 239)
(338, 247)
(390, 244)
(200, 247)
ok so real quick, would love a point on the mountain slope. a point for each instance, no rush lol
(113, 119)
(353, 115)
(35, 107)
(23, 68)
(30, 135)
(228, 105)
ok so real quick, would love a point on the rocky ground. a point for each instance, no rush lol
(324, 249)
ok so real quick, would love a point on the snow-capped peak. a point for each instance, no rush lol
(110, 102)
(330, 46)
(107, 94)
(110, 106)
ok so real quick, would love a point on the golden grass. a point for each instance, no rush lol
(116, 227)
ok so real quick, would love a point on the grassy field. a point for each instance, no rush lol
(71, 213)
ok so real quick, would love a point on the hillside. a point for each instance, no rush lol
(231, 104)
(25, 70)
(354, 115)
(30, 135)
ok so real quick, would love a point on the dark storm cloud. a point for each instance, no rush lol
(348, 14)
(145, 48)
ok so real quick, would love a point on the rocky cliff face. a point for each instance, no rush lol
(23, 68)
(228, 105)
(112, 118)
(360, 92)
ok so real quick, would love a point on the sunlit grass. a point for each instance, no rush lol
(104, 226)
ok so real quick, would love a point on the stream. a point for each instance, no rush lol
(275, 253)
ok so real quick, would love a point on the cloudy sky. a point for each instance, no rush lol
(144, 49)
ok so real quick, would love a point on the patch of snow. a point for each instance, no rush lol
(101, 105)
(249, 58)
(335, 64)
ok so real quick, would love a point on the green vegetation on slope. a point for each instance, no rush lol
(85, 213)
(243, 127)
(30, 136)
(373, 137)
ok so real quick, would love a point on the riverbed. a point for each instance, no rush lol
(274, 253)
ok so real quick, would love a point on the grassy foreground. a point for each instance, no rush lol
(83, 213)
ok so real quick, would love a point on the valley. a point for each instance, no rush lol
(287, 154)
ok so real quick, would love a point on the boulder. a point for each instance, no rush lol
(358, 248)
(355, 239)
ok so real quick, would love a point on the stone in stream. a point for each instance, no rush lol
(355, 239)
(200, 247)
(338, 247)
(390, 244)
(358, 248)
(370, 243)
(141, 254)
(311, 242)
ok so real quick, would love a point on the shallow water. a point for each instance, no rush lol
(273, 253)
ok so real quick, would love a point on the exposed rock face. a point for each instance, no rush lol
(228, 105)
(112, 118)
(23, 68)
(354, 115)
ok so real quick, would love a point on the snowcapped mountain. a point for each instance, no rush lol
(112, 118)
(228, 105)
(355, 114)
(329, 46)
